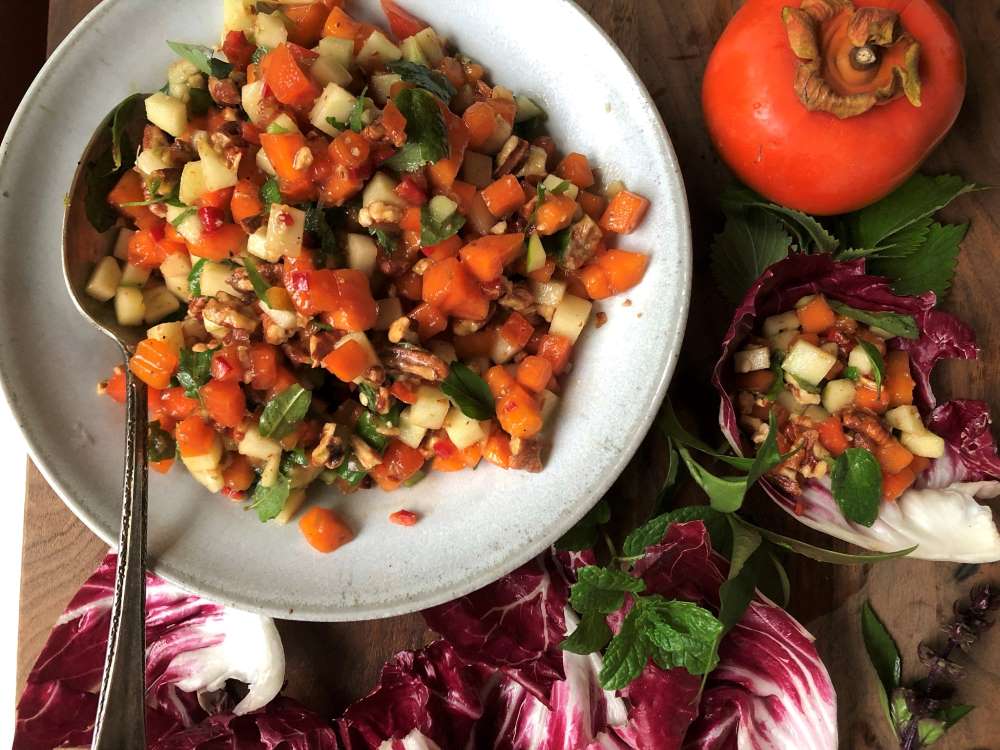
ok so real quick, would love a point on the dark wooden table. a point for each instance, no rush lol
(330, 665)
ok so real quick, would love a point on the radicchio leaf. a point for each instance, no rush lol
(940, 514)
(193, 647)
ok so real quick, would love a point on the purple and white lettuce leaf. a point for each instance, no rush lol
(452, 696)
(940, 515)
(194, 647)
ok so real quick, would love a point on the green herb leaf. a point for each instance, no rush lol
(724, 493)
(747, 246)
(469, 392)
(367, 430)
(119, 121)
(897, 324)
(852, 373)
(270, 501)
(160, 445)
(931, 265)
(950, 715)
(351, 471)
(626, 654)
(194, 371)
(338, 124)
(882, 650)
(194, 278)
(856, 482)
(270, 192)
(824, 555)
(602, 589)
(258, 55)
(356, 120)
(681, 634)
(673, 429)
(653, 531)
(590, 636)
(291, 459)
(878, 364)
(203, 58)
(433, 231)
(384, 239)
(183, 216)
(919, 198)
(318, 222)
(425, 78)
(260, 286)
(200, 101)
(584, 534)
(426, 135)
(283, 412)
(809, 234)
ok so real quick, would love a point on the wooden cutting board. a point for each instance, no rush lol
(330, 665)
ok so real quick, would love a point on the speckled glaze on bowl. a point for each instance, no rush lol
(477, 525)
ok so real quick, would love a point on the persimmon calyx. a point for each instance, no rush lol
(851, 59)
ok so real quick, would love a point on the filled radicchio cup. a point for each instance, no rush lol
(803, 344)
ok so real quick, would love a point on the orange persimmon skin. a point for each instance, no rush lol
(813, 161)
(324, 530)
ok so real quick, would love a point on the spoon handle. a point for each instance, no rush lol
(121, 706)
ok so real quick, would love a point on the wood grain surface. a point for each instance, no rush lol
(668, 42)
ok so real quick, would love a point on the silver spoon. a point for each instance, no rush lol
(121, 711)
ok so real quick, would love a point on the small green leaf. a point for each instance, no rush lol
(929, 267)
(724, 493)
(351, 471)
(119, 121)
(367, 430)
(283, 412)
(194, 278)
(590, 636)
(852, 373)
(469, 392)
(748, 245)
(433, 231)
(653, 531)
(355, 120)
(856, 483)
(161, 445)
(338, 124)
(681, 634)
(426, 134)
(895, 323)
(585, 533)
(270, 501)
(194, 371)
(202, 58)
(882, 650)
(745, 565)
(810, 234)
(270, 192)
(183, 216)
(951, 715)
(626, 654)
(423, 77)
(260, 287)
(602, 589)
(878, 364)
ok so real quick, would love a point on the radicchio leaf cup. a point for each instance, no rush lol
(940, 514)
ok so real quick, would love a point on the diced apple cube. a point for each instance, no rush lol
(431, 45)
(463, 431)
(336, 102)
(104, 279)
(327, 70)
(340, 50)
(859, 359)
(378, 50)
(219, 175)
(412, 52)
(293, 503)
(381, 86)
(286, 227)
(255, 445)
(159, 304)
(252, 95)
(409, 433)
(905, 419)
(214, 278)
(167, 113)
(151, 160)
(134, 276)
(808, 362)
(238, 15)
(129, 309)
(122, 240)
(381, 188)
(548, 402)
(775, 324)
(553, 182)
(171, 333)
(430, 409)
(362, 253)
(269, 30)
(925, 444)
(192, 183)
(186, 222)
(548, 292)
(570, 317)
(752, 359)
(838, 394)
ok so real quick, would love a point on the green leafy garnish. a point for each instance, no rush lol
(883, 655)
(749, 243)
(857, 485)
(897, 324)
(183, 216)
(283, 412)
(270, 501)
(367, 429)
(338, 124)
(584, 534)
(852, 373)
(159, 444)
(200, 101)
(258, 55)
(469, 392)
(203, 58)
(270, 192)
(194, 371)
(652, 531)
(824, 555)
(425, 78)
(930, 268)
(102, 174)
(426, 135)
(384, 239)
(432, 231)
(878, 364)
(194, 278)
(351, 471)
(357, 113)
(807, 232)
(275, 129)
(260, 286)
(590, 635)
(118, 136)
(318, 222)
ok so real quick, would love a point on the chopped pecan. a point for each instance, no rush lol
(320, 345)
(519, 299)
(330, 450)
(239, 279)
(274, 334)
(223, 91)
(228, 311)
(366, 456)
(153, 138)
(414, 361)
(584, 238)
(528, 456)
(511, 156)
(297, 351)
(866, 424)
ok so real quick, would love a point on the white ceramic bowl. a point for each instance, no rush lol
(477, 525)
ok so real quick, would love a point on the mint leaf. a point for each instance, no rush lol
(160, 445)
(270, 501)
(808, 233)
(194, 278)
(602, 589)
(878, 364)
(746, 247)
(918, 198)
(203, 58)
(424, 78)
(338, 124)
(318, 222)
(283, 412)
(584, 534)
(590, 636)
(432, 231)
(351, 471)
(856, 482)
(469, 392)
(385, 240)
(681, 634)
(367, 430)
(930, 267)
(355, 119)
(653, 531)
(270, 192)
(426, 135)
(260, 286)
(897, 324)
(200, 101)
(626, 654)
(194, 371)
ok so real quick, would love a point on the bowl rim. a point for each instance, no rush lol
(439, 595)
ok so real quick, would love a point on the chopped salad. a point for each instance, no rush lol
(357, 259)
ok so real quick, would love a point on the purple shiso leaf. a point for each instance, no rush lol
(940, 514)
(193, 647)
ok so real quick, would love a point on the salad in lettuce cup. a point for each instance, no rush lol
(871, 456)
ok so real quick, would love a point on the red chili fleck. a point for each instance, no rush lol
(212, 218)
(404, 518)
(234, 495)
(411, 192)
(220, 367)
(299, 281)
(286, 218)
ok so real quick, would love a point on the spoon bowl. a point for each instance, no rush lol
(120, 719)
